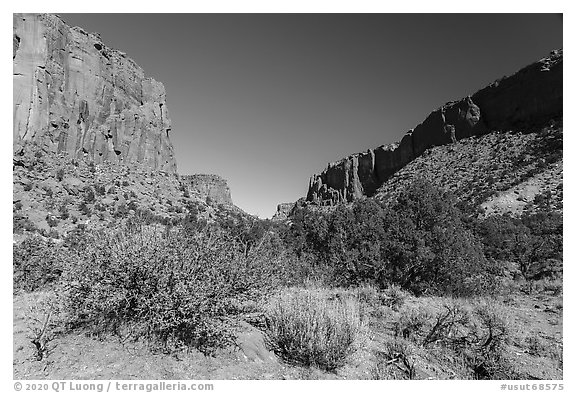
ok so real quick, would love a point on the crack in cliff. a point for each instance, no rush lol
(15, 45)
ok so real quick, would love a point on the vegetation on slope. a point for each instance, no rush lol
(477, 168)
(412, 284)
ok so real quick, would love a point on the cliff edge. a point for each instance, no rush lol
(74, 94)
(522, 101)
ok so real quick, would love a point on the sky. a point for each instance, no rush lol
(267, 100)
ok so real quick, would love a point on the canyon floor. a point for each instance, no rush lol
(535, 349)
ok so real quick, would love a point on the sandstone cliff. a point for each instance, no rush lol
(283, 211)
(210, 188)
(526, 99)
(73, 94)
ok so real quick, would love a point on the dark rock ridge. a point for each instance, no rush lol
(73, 94)
(210, 188)
(530, 97)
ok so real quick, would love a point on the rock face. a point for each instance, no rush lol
(210, 188)
(73, 94)
(531, 96)
(283, 211)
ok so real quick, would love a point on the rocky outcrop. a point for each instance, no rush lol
(283, 211)
(531, 96)
(73, 94)
(211, 189)
(528, 98)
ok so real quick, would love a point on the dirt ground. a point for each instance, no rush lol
(535, 350)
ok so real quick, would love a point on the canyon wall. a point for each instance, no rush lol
(526, 99)
(75, 95)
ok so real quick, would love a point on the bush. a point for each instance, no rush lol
(85, 209)
(100, 189)
(64, 213)
(484, 352)
(532, 244)
(394, 297)
(60, 174)
(36, 263)
(412, 323)
(431, 250)
(473, 335)
(89, 195)
(169, 287)
(395, 357)
(308, 328)
(419, 242)
(21, 223)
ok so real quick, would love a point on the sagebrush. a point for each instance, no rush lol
(312, 328)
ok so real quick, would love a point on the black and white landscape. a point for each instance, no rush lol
(413, 195)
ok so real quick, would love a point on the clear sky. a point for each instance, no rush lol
(267, 100)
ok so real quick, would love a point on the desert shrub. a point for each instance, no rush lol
(21, 223)
(85, 209)
(133, 205)
(43, 323)
(492, 328)
(305, 268)
(394, 297)
(545, 285)
(412, 323)
(419, 242)
(307, 327)
(368, 297)
(484, 353)
(247, 230)
(473, 335)
(172, 288)
(447, 326)
(64, 213)
(100, 189)
(89, 195)
(121, 211)
(430, 250)
(536, 345)
(368, 294)
(60, 174)
(37, 262)
(394, 362)
(529, 247)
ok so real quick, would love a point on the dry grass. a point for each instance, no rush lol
(313, 328)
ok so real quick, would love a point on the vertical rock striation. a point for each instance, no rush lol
(73, 94)
(531, 96)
